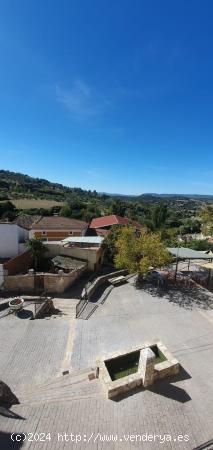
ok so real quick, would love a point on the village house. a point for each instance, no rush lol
(101, 225)
(56, 228)
(12, 239)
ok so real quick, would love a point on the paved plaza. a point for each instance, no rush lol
(33, 355)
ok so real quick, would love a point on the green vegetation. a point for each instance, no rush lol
(159, 356)
(7, 211)
(37, 250)
(123, 365)
(172, 216)
(140, 253)
(206, 216)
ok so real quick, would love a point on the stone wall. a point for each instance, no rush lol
(91, 255)
(58, 283)
(99, 281)
(20, 263)
(54, 283)
(15, 282)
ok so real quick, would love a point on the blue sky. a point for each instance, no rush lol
(112, 95)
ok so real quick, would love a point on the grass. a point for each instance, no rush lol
(123, 366)
(160, 357)
(28, 203)
(125, 373)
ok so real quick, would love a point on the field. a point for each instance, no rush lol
(27, 203)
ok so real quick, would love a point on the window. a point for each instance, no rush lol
(43, 232)
(71, 232)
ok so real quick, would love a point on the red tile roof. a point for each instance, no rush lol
(58, 223)
(107, 221)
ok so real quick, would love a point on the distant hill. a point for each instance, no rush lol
(153, 196)
(17, 185)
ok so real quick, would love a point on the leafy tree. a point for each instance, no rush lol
(201, 245)
(139, 254)
(159, 215)
(37, 250)
(65, 211)
(118, 207)
(110, 242)
(7, 211)
(206, 216)
(190, 225)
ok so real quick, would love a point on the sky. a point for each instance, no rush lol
(112, 95)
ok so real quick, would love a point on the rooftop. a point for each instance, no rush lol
(113, 219)
(26, 221)
(67, 263)
(96, 240)
(187, 253)
(58, 223)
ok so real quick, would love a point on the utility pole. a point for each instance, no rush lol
(176, 268)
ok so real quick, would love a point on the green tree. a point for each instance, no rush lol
(7, 211)
(110, 242)
(159, 215)
(65, 211)
(118, 207)
(37, 250)
(139, 254)
(206, 216)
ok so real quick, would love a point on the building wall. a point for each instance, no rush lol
(20, 263)
(53, 283)
(23, 282)
(8, 240)
(58, 283)
(23, 235)
(54, 235)
(11, 235)
(91, 255)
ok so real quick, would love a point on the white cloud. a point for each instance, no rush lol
(81, 100)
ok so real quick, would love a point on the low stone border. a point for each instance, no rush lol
(161, 370)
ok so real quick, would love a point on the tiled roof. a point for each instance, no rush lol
(107, 221)
(58, 223)
(26, 221)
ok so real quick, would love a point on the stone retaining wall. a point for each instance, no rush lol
(99, 281)
(52, 282)
(24, 283)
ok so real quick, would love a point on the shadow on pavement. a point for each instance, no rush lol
(185, 297)
(11, 441)
(164, 388)
(161, 387)
(6, 412)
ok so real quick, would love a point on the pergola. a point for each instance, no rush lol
(183, 253)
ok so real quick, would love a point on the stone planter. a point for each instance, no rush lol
(16, 304)
(149, 368)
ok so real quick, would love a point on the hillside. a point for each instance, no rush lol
(17, 185)
(28, 195)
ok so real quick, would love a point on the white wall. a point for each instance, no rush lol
(8, 240)
(23, 235)
(10, 236)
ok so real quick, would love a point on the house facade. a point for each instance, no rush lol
(13, 239)
(56, 228)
